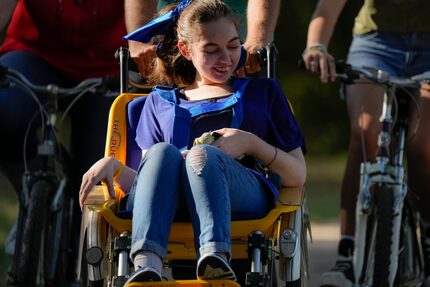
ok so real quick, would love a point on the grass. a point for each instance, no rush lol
(323, 186)
(322, 189)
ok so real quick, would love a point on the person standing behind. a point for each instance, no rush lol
(393, 36)
(60, 42)
(260, 16)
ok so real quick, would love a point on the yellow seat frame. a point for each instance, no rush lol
(181, 240)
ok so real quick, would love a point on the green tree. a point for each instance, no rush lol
(319, 110)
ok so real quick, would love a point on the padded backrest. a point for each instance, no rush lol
(133, 155)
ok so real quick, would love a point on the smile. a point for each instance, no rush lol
(222, 69)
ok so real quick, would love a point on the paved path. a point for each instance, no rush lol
(322, 252)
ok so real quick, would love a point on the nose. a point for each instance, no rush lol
(225, 54)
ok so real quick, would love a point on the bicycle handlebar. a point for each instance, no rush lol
(350, 74)
(91, 84)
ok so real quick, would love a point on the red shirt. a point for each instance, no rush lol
(78, 37)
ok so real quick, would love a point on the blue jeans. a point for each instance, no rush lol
(88, 116)
(215, 188)
(399, 54)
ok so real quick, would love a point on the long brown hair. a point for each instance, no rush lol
(170, 67)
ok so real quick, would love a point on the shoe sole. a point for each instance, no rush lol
(144, 276)
(212, 267)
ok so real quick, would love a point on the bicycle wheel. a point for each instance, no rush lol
(292, 271)
(384, 232)
(96, 268)
(59, 253)
(31, 270)
(411, 265)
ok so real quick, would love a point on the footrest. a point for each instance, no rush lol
(187, 283)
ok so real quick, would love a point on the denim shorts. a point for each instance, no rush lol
(399, 54)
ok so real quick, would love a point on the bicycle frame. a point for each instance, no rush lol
(59, 208)
(46, 207)
(388, 170)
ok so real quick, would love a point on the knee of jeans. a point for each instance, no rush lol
(197, 158)
(165, 149)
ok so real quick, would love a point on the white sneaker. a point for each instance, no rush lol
(214, 267)
(341, 275)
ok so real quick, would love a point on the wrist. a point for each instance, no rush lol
(316, 47)
(255, 145)
(119, 167)
(253, 47)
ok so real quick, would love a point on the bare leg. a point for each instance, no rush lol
(418, 154)
(364, 107)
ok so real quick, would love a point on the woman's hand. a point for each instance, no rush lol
(102, 170)
(319, 61)
(233, 142)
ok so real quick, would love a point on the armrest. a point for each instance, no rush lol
(98, 195)
(291, 195)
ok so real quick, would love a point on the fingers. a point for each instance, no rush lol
(110, 187)
(425, 90)
(88, 182)
(314, 65)
(143, 55)
(102, 170)
(321, 63)
(327, 69)
(144, 64)
(240, 73)
(252, 64)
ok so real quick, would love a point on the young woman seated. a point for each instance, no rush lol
(252, 118)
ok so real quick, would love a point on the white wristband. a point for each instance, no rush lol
(316, 47)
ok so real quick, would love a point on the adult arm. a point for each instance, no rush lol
(320, 31)
(262, 17)
(137, 14)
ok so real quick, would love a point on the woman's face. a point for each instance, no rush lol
(215, 51)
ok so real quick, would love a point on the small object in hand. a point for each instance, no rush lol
(207, 138)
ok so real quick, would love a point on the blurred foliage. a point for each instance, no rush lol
(318, 108)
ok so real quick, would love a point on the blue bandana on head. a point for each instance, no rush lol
(162, 25)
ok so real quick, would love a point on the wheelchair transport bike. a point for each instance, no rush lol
(46, 205)
(388, 249)
(269, 251)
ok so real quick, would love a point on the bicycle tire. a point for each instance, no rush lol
(282, 267)
(304, 267)
(31, 260)
(59, 242)
(96, 268)
(411, 264)
(384, 232)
